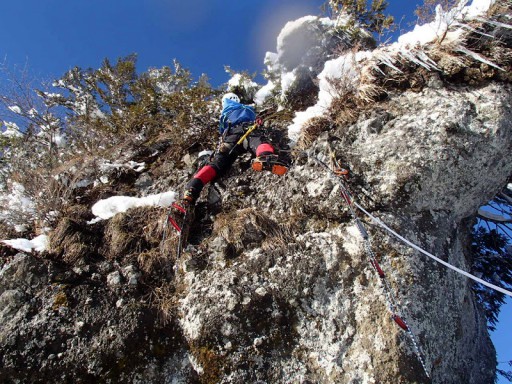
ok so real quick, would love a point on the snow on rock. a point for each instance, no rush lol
(37, 244)
(105, 209)
(342, 68)
(137, 167)
(264, 93)
(287, 80)
(348, 67)
(478, 8)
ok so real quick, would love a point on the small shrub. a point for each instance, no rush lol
(370, 15)
(427, 11)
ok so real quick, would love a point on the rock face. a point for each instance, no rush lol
(306, 305)
(77, 325)
(279, 289)
(275, 285)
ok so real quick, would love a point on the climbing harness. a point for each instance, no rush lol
(339, 174)
(256, 124)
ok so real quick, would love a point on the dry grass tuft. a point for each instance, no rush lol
(313, 128)
(248, 228)
(152, 260)
(132, 233)
(164, 298)
(344, 110)
(368, 93)
(72, 240)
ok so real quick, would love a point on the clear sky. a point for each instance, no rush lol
(52, 36)
(502, 339)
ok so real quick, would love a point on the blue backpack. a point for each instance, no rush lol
(235, 113)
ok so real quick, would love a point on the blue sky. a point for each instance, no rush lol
(52, 36)
(502, 338)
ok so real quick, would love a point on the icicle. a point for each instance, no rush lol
(427, 60)
(493, 22)
(478, 57)
(419, 58)
(386, 59)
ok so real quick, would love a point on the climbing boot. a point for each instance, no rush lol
(269, 163)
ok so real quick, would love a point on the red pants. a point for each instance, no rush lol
(224, 158)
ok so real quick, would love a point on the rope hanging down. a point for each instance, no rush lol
(390, 297)
(448, 265)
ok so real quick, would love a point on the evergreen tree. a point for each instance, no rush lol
(506, 374)
(492, 250)
(90, 111)
(369, 16)
(427, 11)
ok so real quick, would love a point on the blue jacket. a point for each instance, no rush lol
(235, 113)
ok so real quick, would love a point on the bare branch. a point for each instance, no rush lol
(492, 217)
(505, 197)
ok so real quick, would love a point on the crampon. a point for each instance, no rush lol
(269, 163)
(180, 217)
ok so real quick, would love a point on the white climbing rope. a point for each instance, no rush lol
(448, 265)
(392, 302)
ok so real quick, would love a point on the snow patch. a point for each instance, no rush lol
(107, 208)
(264, 93)
(347, 68)
(137, 167)
(15, 109)
(16, 203)
(37, 244)
(52, 95)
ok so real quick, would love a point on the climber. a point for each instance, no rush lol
(236, 120)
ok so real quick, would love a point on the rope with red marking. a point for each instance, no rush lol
(392, 301)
